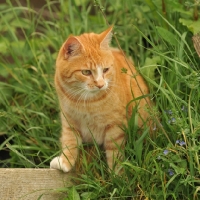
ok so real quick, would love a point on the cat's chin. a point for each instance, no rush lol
(97, 91)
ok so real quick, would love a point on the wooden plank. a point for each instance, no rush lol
(196, 42)
(30, 184)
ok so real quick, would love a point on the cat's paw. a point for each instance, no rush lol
(58, 163)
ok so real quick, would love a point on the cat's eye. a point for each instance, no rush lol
(105, 70)
(86, 72)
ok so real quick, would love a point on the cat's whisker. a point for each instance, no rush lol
(82, 97)
(114, 85)
(106, 91)
(110, 91)
(73, 89)
(76, 93)
(85, 99)
(79, 99)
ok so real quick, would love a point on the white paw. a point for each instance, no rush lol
(57, 163)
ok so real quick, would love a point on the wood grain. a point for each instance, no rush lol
(31, 184)
(196, 42)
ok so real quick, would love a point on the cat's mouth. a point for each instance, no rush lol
(97, 90)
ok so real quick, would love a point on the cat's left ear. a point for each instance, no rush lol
(105, 38)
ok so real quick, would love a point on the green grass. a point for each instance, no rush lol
(159, 39)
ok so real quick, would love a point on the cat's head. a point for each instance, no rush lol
(85, 63)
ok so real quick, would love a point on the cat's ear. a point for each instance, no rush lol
(105, 38)
(72, 47)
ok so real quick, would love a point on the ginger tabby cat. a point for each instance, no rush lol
(93, 94)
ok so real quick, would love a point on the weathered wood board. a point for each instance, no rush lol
(31, 184)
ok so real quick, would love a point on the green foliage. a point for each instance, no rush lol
(157, 35)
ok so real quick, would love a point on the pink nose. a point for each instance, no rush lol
(100, 86)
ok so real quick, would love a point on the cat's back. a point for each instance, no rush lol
(122, 62)
(131, 83)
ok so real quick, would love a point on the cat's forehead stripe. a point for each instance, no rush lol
(99, 73)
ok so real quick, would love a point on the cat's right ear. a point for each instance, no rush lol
(72, 47)
(106, 38)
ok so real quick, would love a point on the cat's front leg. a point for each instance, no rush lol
(114, 145)
(70, 142)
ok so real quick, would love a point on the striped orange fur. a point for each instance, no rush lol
(93, 94)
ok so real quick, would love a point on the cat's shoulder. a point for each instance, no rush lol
(116, 51)
(119, 54)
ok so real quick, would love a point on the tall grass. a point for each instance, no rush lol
(157, 37)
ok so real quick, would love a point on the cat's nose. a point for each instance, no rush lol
(100, 83)
(100, 86)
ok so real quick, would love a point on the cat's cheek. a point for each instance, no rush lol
(57, 163)
(106, 84)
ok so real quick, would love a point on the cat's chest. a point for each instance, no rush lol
(91, 126)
